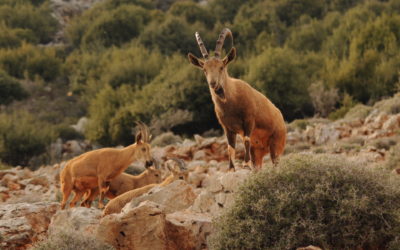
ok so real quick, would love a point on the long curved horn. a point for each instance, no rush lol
(201, 45)
(221, 40)
(181, 163)
(146, 128)
(142, 130)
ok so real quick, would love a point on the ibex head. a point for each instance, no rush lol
(143, 144)
(214, 68)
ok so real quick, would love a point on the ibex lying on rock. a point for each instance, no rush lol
(124, 183)
(95, 169)
(116, 205)
(241, 109)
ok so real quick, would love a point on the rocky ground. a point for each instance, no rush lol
(179, 215)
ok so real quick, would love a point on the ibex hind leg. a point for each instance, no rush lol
(66, 189)
(103, 188)
(77, 197)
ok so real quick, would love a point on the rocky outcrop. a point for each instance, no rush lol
(148, 226)
(142, 227)
(81, 219)
(24, 223)
(174, 197)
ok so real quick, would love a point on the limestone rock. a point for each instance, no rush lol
(81, 219)
(392, 123)
(23, 223)
(204, 202)
(142, 227)
(174, 197)
(232, 180)
(188, 230)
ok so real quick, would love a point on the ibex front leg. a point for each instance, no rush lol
(246, 138)
(103, 188)
(231, 136)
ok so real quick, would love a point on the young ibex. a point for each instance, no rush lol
(241, 109)
(95, 169)
(116, 205)
(124, 183)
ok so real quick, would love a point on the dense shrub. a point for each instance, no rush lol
(323, 98)
(166, 139)
(102, 110)
(393, 160)
(347, 104)
(10, 89)
(115, 27)
(32, 60)
(22, 137)
(71, 240)
(26, 16)
(320, 200)
(193, 13)
(66, 132)
(171, 35)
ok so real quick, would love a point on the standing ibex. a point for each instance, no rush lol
(95, 169)
(240, 108)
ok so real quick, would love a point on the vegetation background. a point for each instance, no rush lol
(125, 60)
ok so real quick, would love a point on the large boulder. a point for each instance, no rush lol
(142, 227)
(174, 197)
(23, 223)
(80, 219)
(148, 227)
(188, 230)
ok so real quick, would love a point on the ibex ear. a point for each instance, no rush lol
(230, 56)
(139, 138)
(195, 61)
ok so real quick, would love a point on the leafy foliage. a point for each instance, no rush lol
(319, 200)
(10, 89)
(22, 137)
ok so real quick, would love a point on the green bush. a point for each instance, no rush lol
(166, 139)
(10, 89)
(393, 159)
(347, 104)
(66, 132)
(319, 200)
(171, 35)
(115, 27)
(71, 240)
(32, 60)
(26, 16)
(23, 137)
(192, 12)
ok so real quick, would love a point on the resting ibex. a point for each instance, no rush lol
(116, 205)
(241, 109)
(124, 183)
(95, 169)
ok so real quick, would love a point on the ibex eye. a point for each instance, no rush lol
(221, 68)
(143, 149)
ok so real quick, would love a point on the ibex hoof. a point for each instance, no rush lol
(246, 166)
(231, 169)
